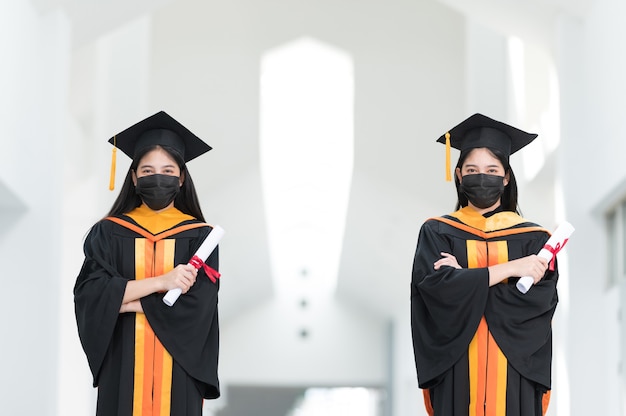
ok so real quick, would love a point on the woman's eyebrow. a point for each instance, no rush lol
(151, 166)
(474, 165)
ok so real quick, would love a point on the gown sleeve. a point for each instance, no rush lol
(189, 329)
(522, 323)
(98, 294)
(446, 304)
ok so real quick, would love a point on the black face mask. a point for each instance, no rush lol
(157, 191)
(482, 190)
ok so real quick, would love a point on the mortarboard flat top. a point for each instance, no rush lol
(482, 131)
(160, 129)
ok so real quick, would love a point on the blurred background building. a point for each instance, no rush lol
(323, 117)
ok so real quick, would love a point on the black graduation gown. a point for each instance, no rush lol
(451, 308)
(175, 348)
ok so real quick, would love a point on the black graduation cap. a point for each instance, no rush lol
(158, 129)
(482, 131)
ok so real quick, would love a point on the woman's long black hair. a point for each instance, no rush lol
(186, 200)
(508, 201)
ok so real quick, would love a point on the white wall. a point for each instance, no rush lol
(34, 82)
(593, 90)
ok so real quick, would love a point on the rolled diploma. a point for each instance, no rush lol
(203, 252)
(559, 237)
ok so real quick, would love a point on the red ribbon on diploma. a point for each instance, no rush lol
(554, 251)
(197, 262)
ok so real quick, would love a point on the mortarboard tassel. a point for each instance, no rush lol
(112, 178)
(448, 175)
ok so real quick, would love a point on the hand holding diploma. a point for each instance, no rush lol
(554, 244)
(203, 253)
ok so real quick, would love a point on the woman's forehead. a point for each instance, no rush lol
(157, 156)
(482, 156)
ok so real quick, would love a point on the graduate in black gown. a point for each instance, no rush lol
(148, 358)
(481, 346)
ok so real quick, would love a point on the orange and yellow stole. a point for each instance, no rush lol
(487, 363)
(153, 364)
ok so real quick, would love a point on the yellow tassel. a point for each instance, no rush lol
(448, 174)
(112, 178)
